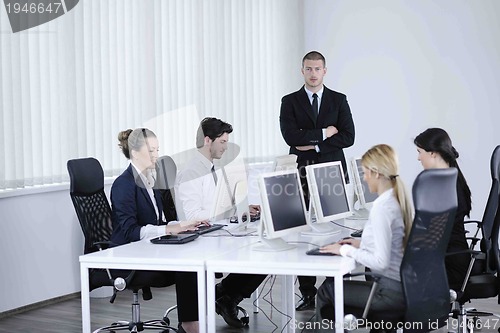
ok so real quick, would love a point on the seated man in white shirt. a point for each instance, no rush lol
(195, 195)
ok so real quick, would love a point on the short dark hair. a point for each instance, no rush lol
(314, 55)
(213, 128)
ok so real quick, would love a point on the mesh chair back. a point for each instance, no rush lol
(90, 202)
(423, 272)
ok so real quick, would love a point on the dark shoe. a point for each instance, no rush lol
(306, 303)
(227, 307)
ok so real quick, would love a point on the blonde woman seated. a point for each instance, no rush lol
(381, 246)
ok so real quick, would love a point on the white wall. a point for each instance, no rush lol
(409, 65)
(41, 241)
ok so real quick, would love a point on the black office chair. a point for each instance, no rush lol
(94, 214)
(481, 285)
(423, 273)
(485, 226)
(483, 262)
(166, 173)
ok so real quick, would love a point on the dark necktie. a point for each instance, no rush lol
(315, 105)
(214, 174)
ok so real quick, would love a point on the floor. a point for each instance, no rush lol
(65, 316)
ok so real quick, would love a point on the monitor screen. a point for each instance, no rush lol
(283, 208)
(231, 191)
(328, 193)
(361, 189)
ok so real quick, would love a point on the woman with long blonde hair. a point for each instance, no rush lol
(382, 244)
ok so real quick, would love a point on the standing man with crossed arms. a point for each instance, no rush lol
(317, 124)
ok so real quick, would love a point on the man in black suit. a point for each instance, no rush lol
(317, 124)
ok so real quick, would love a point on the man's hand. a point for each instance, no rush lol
(331, 131)
(351, 241)
(254, 210)
(304, 148)
(332, 248)
(335, 248)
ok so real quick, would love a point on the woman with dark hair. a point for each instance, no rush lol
(137, 214)
(435, 150)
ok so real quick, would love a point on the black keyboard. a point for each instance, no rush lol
(315, 252)
(357, 233)
(203, 229)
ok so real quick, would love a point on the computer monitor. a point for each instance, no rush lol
(328, 197)
(231, 194)
(283, 209)
(285, 162)
(364, 198)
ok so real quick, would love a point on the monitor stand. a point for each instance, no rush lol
(360, 212)
(241, 203)
(270, 245)
(319, 228)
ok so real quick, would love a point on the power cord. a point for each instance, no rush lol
(230, 234)
(268, 279)
(307, 243)
(343, 226)
(308, 320)
(267, 296)
(271, 281)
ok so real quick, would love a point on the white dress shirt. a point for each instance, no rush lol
(320, 96)
(195, 189)
(381, 247)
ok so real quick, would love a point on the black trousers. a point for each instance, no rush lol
(186, 287)
(241, 284)
(388, 297)
(307, 285)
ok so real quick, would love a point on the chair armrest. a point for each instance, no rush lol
(104, 245)
(473, 253)
(479, 223)
(374, 276)
(119, 285)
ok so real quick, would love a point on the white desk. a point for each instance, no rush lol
(207, 255)
(287, 263)
(143, 255)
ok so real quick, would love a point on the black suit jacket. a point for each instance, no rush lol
(132, 207)
(299, 127)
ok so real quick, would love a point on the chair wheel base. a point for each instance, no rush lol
(136, 327)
